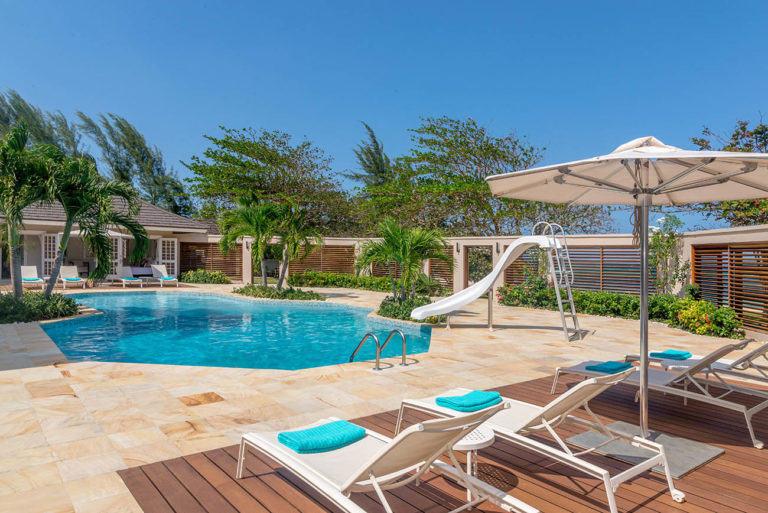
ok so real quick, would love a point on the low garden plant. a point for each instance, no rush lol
(35, 306)
(424, 284)
(395, 309)
(204, 276)
(261, 291)
(696, 316)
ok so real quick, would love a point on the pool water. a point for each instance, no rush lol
(180, 328)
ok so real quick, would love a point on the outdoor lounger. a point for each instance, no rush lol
(376, 463)
(520, 421)
(748, 366)
(29, 276)
(689, 384)
(160, 273)
(125, 276)
(68, 276)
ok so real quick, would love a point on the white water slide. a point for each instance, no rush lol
(559, 267)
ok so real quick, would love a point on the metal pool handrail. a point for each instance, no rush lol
(380, 347)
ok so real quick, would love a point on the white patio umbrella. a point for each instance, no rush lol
(643, 172)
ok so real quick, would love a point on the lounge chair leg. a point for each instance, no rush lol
(554, 383)
(399, 423)
(241, 460)
(609, 492)
(755, 442)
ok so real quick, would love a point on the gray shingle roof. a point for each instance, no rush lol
(149, 215)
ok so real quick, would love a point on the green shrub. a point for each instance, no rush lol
(424, 284)
(273, 293)
(701, 317)
(34, 306)
(693, 291)
(402, 310)
(204, 276)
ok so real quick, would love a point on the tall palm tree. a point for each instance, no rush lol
(405, 250)
(89, 201)
(298, 237)
(25, 178)
(251, 218)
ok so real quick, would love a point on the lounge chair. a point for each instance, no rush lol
(160, 273)
(68, 276)
(29, 276)
(521, 420)
(740, 367)
(377, 463)
(125, 276)
(686, 384)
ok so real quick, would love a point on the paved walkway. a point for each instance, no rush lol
(66, 428)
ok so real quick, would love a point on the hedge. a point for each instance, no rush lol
(424, 286)
(34, 306)
(402, 310)
(700, 317)
(204, 276)
(273, 293)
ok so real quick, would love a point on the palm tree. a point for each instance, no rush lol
(251, 218)
(405, 250)
(89, 201)
(375, 165)
(25, 178)
(297, 235)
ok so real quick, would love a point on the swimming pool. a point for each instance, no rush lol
(181, 328)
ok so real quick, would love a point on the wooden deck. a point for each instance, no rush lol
(735, 482)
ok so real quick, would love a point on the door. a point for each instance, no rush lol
(116, 255)
(49, 247)
(167, 254)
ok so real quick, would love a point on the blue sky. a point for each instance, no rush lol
(578, 78)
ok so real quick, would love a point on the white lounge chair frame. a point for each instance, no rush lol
(545, 420)
(125, 272)
(70, 271)
(29, 276)
(159, 271)
(686, 384)
(737, 368)
(391, 463)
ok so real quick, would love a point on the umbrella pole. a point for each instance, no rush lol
(645, 205)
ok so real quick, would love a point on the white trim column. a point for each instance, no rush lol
(247, 260)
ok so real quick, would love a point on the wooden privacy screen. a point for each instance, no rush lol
(327, 259)
(612, 269)
(203, 255)
(735, 275)
(441, 271)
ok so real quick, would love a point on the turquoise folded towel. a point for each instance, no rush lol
(609, 367)
(72, 279)
(30, 279)
(473, 401)
(130, 279)
(167, 278)
(326, 437)
(672, 354)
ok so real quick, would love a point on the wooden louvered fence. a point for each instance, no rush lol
(208, 256)
(734, 275)
(326, 259)
(606, 268)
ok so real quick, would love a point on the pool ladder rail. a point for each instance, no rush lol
(379, 347)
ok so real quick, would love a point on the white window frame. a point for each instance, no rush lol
(171, 264)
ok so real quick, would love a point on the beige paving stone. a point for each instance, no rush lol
(25, 458)
(126, 439)
(49, 388)
(48, 499)
(86, 466)
(29, 478)
(88, 489)
(86, 447)
(120, 503)
(149, 453)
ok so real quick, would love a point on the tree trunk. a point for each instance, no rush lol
(59, 259)
(264, 272)
(392, 280)
(402, 283)
(14, 253)
(283, 270)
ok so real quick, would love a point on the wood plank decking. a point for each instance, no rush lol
(734, 482)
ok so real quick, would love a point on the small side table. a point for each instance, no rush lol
(480, 438)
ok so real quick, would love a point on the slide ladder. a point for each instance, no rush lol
(561, 271)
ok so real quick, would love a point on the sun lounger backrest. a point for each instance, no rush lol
(29, 272)
(557, 411)
(68, 271)
(421, 444)
(706, 362)
(743, 362)
(159, 271)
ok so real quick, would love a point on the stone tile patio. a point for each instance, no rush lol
(67, 427)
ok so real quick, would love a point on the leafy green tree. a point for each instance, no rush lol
(375, 166)
(403, 252)
(742, 138)
(94, 204)
(443, 179)
(250, 218)
(665, 255)
(25, 178)
(298, 237)
(132, 160)
(270, 166)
